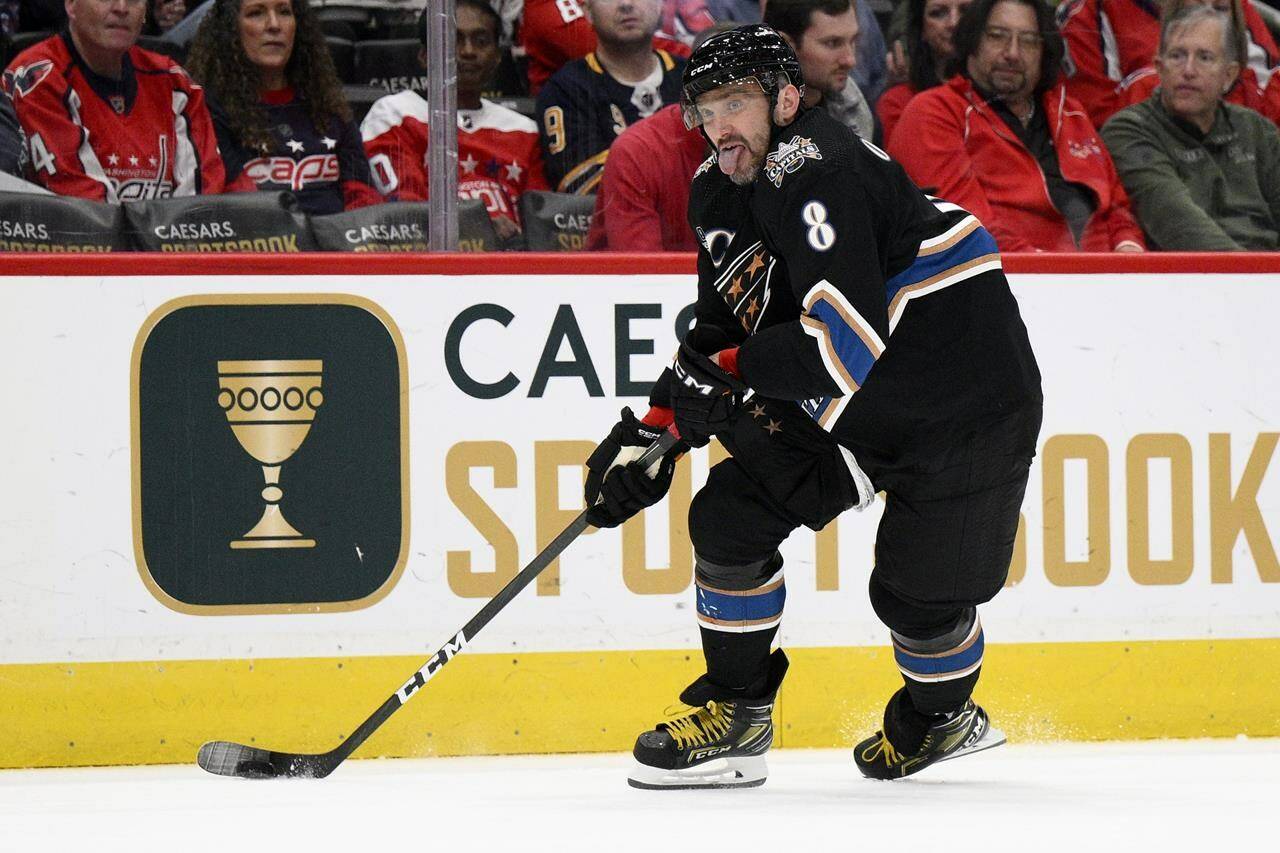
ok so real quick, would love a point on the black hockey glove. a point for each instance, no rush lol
(617, 488)
(704, 395)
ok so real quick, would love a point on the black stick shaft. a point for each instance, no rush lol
(460, 640)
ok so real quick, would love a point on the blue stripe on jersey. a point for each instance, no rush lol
(935, 667)
(744, 607)
(849, 347)
(974, 246)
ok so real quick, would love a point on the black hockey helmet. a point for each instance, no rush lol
(754, 52)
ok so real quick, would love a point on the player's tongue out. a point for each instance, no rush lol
(730, 156)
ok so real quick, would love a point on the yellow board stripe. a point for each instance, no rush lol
(160, 712)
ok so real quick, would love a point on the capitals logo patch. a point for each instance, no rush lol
(25, 78)
(788, 157)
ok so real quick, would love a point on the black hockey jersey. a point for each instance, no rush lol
(582, 109)
(853, 292)
(326, 170)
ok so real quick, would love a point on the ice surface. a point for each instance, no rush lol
(1086, 798)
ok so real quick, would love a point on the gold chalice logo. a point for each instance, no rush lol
(270, 406)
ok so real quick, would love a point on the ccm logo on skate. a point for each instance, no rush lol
(689, 382)
(707, 753)
(422, 676)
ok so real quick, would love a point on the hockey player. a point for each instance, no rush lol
(105, 119)
(589, 102)
(852, 335)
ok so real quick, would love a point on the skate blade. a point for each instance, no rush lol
(747, 772)
(991, 738)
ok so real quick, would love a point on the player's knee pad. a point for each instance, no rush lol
(741, 598)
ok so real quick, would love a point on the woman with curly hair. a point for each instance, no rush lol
(278, 108)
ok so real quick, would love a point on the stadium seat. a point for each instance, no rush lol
(155, 44)
(556, 222)
(361, 98)
(390, 63)
(343, 52)
(235, 222)
(18, 42)
(52, 223)
(400, 227)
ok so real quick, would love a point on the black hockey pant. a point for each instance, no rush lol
(944, 545)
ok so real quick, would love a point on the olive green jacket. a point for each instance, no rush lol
(1217, 193)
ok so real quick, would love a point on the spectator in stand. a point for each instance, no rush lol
(588, 103)
(1204, 174)
(554, 33)
(282, 120)
(644, 196)
(925, 50)
(107, 120)
(1004, 141)
(163, 15)
(1245, 91)
(498, 154)
(822, 33)
(13, 148)
(1107, 40)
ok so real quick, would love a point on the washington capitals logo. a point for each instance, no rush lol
(789, 157)
(25, 78)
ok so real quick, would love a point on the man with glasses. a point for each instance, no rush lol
(1204, 174)
(1003, 140)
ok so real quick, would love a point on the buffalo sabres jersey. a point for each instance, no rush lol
(498, 157)
(146, 135)
(851, 291)
(326, 170)
(582, 109)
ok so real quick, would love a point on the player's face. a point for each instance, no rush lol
(267, 28)
(624, 21)
(109, 26)
(1007, 61)
(1194, 72)
(940, 19)
(477, 49)
(826, 51)
(736, 120)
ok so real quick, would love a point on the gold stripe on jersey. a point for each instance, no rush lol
(578, 171)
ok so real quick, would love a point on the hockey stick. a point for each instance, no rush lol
(225, 758)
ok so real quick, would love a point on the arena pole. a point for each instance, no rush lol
(442, 142)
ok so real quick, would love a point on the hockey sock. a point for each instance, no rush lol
(739, 610)
(940, 673)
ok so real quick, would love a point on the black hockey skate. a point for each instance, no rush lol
(950, 735)
(718, 745)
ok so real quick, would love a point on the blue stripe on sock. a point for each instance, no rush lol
(956, 662)
(741, 608)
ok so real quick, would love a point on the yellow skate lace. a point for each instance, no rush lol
(882, 747)
(703, 725)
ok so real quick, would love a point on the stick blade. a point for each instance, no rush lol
(224, 758)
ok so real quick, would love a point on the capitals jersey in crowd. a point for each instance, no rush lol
(327, 171)
(498, 157)
(556, 32)
(583, 109)
(147, 135)
(850, 290)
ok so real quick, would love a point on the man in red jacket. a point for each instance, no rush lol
(1003, 140)
(644, 195)
(107, 120)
